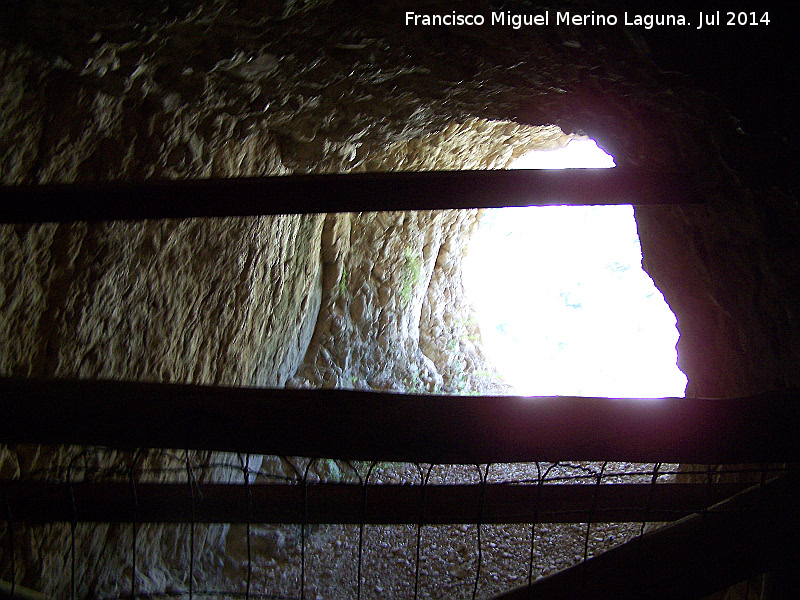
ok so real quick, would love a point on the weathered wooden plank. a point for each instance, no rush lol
(355, 425)
(753, 532)
(354, 192)
(18, 592)
(119, 502)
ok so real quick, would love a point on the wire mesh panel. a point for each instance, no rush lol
(227, 518)
(472, 531)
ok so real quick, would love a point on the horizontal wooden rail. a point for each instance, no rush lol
(19, 592)
(117, 502)
(354, 192)
(751, 533)
(370, 426)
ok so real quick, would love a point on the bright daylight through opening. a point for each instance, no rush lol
(562, 302)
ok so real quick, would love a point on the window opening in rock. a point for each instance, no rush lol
(562, 302)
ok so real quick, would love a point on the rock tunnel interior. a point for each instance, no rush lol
(349, 303)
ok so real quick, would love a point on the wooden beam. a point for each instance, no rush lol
(751, 533)
(355, 425)
(118, 502)
(17, 592)
(354, 192)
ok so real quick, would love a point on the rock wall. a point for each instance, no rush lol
(368, 301)
(134, 300)
(394, 314)
(735, 289)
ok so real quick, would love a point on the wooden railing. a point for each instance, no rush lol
(352, 192)
(369, 426)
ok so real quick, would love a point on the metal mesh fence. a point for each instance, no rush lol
(350, 529)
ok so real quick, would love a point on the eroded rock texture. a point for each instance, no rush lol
(367, 301)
